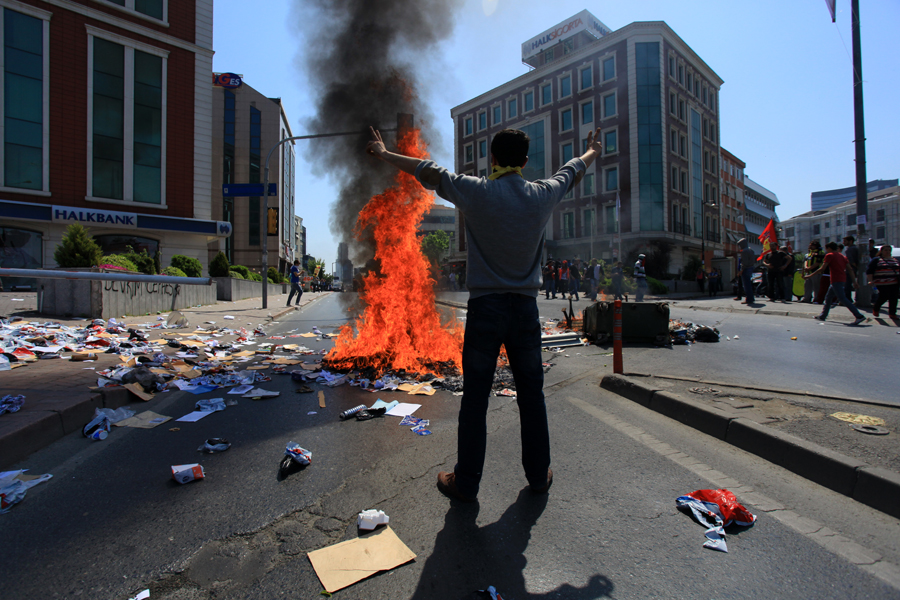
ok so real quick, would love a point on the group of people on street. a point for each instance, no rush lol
(830, 276)
(568, 278)
(713, 280)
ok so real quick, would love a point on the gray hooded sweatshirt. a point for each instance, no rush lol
(748, 256)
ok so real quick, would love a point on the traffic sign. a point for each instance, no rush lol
(247, 189)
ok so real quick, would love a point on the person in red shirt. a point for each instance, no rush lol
(838, 265)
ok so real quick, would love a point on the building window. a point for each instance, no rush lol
(611, 179)
(587, 113)
(469, 153)
(681, 109)
(497, 114)
(712, 132)
(611, 219)
(25, 119)
(673, 140)
(673, 103)
(588, 183)
(587, 222)
(609, 68)
(681, 74)
(684, 185)
(690, 82)
(682, 146)
(879, 215)
(156, 9)
(546, 94)
(697, 87)
(529, 101)
(879, 232)
(851, 220)
(127, 116)
(468, 126)
(827, 224)
(705, 127)
(705, 95)
(565, 86)
(706, 160)
(672, 67)
(548, 56)
(712, 100)
(837, 222)
(565, 120)
(512, 108)
(534, 170)
(482, 148)
(482, 173)
(568, 229)
(609, 105)
(817, 230)
(675, 178)
(566, 153)
(610, 142)
(255, 204)
(587, 77)
(568, 46)
(482, 121)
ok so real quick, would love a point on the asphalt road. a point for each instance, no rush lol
(112, 521)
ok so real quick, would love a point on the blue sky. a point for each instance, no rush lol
(786, 103)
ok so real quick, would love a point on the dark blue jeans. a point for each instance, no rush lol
(747, 280)
(511, 320)
(295, 289)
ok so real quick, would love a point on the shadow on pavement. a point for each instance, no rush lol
(467, 558)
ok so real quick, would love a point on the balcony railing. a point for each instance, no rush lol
(682, 228)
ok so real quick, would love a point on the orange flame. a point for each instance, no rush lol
(400, 327)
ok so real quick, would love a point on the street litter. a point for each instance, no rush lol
(145, 420)
(185, 473)
(345, 563)
(716, 509)
(213, 445)
(260, 394)
(492, 591)
(403, 409)
(419, 426)
(295, 458)
(370, 519)
(11, 404)
(210, 404)
(685, 332)
(145, 595)
(352, 411)
(98, 427)
(14, 484)
(858, 419)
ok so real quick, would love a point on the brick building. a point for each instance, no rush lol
(732, 199)
(106, 120)
(656, 103)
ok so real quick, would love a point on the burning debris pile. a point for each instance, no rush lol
(400, 327)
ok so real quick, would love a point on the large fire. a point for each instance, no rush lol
(400, 327)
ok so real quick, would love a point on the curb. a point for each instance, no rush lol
(873, 486)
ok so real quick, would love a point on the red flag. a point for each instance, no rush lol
(768, 239)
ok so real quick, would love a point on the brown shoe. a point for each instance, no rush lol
(447, 485)
(546, 487)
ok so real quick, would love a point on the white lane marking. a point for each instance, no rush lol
(866, 559)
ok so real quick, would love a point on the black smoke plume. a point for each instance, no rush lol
(362, 61)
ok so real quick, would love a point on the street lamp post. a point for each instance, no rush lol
(703, 232)
(264, 233)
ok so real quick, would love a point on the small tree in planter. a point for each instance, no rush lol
(77, 249)
(219, 266)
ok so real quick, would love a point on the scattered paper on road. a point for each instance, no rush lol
(354, 560)
(193, 417)
(241, 389)
(403, 409)
(858, 419)
(145, 420)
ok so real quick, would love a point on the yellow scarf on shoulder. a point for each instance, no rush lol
(501, 171)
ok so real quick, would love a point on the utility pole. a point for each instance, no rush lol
(863, 296)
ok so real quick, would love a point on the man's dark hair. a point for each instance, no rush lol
(831, 246)
(510, 147)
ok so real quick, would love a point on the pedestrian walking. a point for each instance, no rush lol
(775, 263)
(296, 278)
(640, 277)
(839, 267)
(851, 251)
(884, 273)
(617, 274)
(701, 277)
(550, 278)
(503, 278)
(574, 280)
(596, 275)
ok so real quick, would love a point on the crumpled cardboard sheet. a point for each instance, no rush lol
(346, 563)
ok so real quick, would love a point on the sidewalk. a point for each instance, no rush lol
(58, 400)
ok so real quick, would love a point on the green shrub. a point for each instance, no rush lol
(219, 266)
(235, 274)
(255, 276)
(143, 261)
(77, 249)
(244, 271)
(656, 288)
(272, 280)
(173, 272)
(118, 260)
(275, 276)
(191, 266)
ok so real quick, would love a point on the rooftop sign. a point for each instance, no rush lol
(583, 21)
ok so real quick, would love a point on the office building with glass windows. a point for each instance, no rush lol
(656, 103)
(106, 121)
(247, 125)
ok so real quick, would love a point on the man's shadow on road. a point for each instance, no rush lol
(467, 558)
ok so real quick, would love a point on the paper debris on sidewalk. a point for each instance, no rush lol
(193, 417)
(138, 391)
(145, 420)
(261, 393)
(403, 409)
(344, 564)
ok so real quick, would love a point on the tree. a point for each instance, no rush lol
(77, 249)
(219, 266)
(434, 245)
(315, 267)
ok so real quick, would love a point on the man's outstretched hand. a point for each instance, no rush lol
(375, 146)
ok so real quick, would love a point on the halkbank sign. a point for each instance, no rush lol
(92, 216)
(583, 21)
